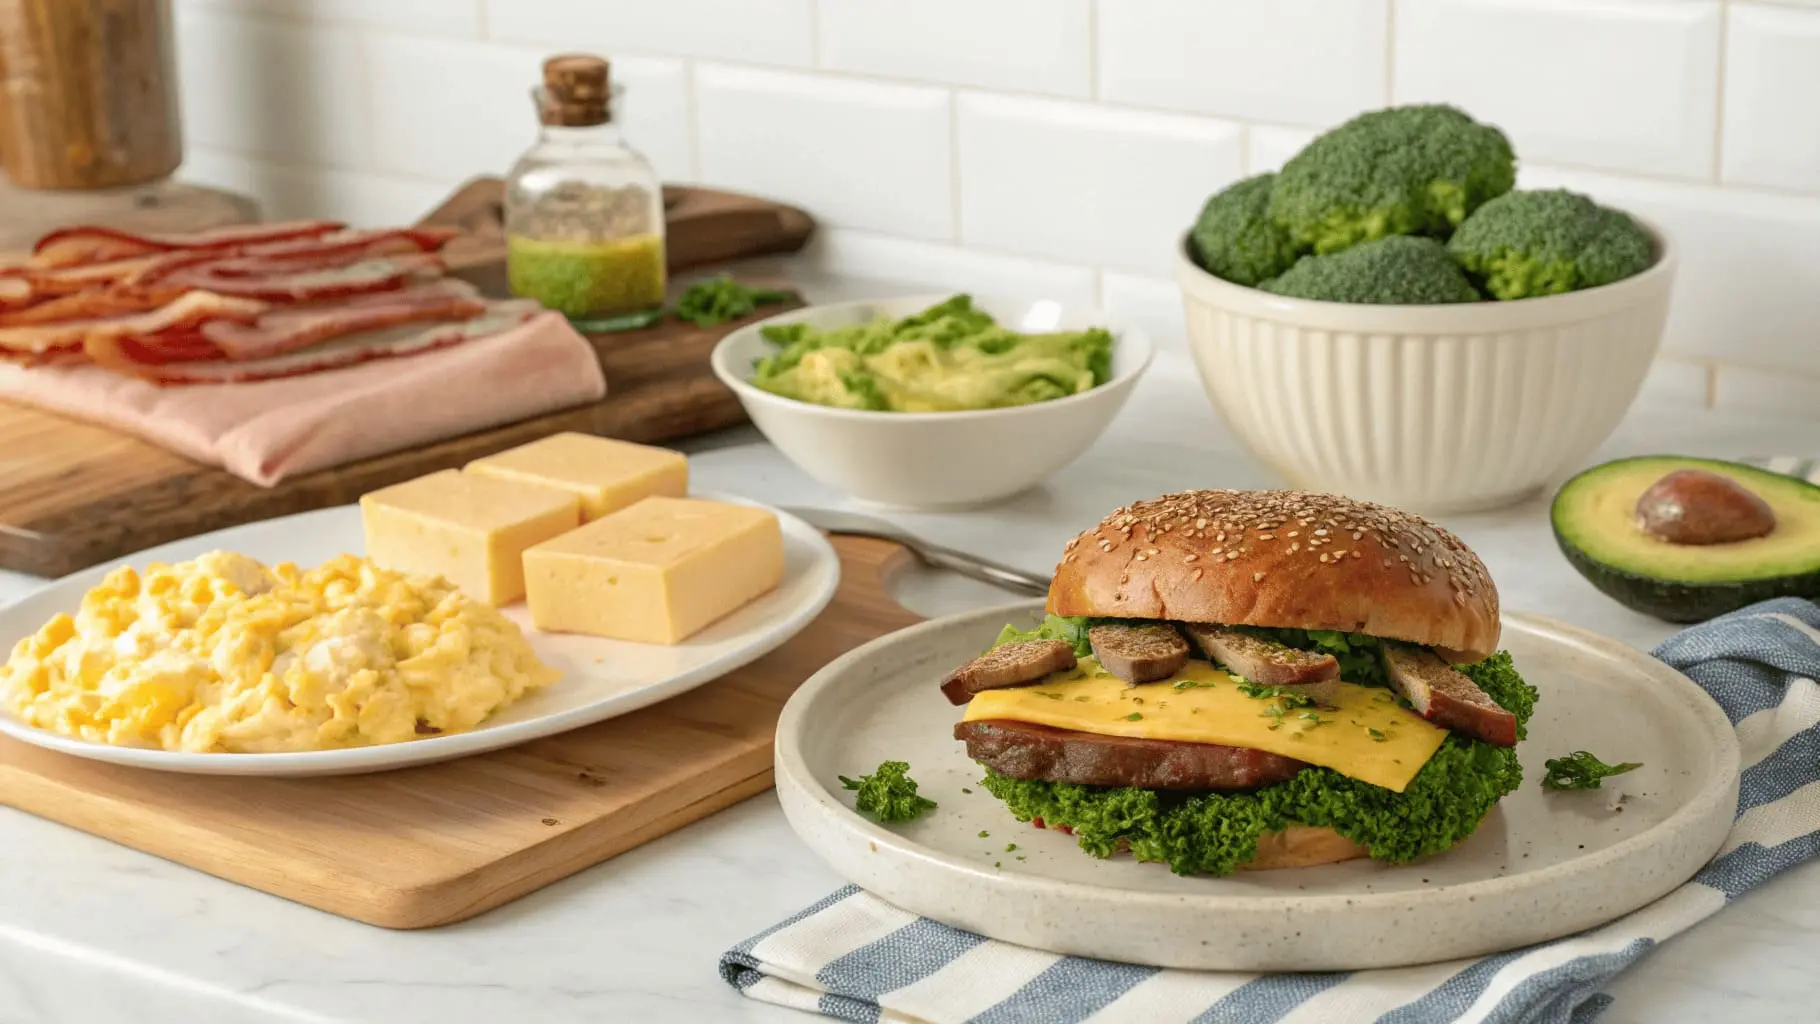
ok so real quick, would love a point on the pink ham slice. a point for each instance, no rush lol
(292, 328)
(387, 343)
(290, 285)
(187, 311)
(82, 245)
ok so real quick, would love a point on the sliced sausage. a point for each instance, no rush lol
(1024, 750)
(1442, 695)
(1139, 654)
(1268, 662)
(1018, 663)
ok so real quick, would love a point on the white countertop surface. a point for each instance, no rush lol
(94, 933)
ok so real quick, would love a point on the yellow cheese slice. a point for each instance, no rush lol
(1365, 736)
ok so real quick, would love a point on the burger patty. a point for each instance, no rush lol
(1024, 750)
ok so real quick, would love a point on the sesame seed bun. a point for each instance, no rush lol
(1282, 558)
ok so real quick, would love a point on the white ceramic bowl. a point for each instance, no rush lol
(933, 460)
(1445, 408)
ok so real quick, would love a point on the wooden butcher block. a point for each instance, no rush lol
(419, 847)
(73, 494)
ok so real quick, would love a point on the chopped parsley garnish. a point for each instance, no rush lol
(720, 299)
(888, 794)
(964, 789)
(1010, 847)
(1134, 716)
(985, 834)
(1581, 770)
(1083, 697)
(1376, 735)
(1046, 693)
(1189, 684)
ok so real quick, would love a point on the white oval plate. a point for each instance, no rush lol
(601, 678)
(1540, 866)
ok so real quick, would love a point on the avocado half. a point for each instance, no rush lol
(1594, 518)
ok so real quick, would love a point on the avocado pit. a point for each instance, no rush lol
(1696, 506)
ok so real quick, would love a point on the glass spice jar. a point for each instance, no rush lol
(584, 214)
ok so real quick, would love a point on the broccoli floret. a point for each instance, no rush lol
(1416, 170)
(1234, 237)
(1401, 270)
(1549, 241)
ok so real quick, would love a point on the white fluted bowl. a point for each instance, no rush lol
(1447, 408)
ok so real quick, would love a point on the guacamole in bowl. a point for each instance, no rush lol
(948, 357)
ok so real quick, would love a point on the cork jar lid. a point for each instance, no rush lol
(577, 90)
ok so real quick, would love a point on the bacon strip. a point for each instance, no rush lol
(93, 304)
(16, 292)
(389, 343)
(386, 273)
(191, 310)
(76, 246)
(293, 328)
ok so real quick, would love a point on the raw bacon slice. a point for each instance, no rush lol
(93, 304)
(190, 310)
(390, 343)
(16, 292)
(387, 273)
(293, 328)
(422, 239)
(338, 250)
(81, 245)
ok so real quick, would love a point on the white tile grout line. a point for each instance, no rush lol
(1390, 51)
(955, 224)
(1093, 50)
(1725, 28)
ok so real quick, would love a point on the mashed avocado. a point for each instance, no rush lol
(950, 356)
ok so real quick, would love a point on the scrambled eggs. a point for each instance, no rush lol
(222, 654)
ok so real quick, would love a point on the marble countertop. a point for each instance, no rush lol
(92, 932)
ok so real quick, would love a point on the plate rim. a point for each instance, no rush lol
(393, 756)
(792, 770)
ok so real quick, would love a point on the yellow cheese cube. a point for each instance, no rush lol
(607, 475)
(471, 530)
(656, 572)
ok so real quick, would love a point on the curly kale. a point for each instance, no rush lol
(720, 299)
(1412, 170)
(1548, 241)
(1234, 237)
(1397, 271)
(1214, 833)
(888, 794)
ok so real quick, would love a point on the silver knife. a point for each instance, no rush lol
(969, 565)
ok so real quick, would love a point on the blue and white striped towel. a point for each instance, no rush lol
(854, 957)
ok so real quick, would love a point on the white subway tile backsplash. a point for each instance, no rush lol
(1622, 84)
(418, 17)
(855, 154)
(1026, 45)
(1764, 393)
(1682, 383)
(1746, 288)
(272, 88)
(867, 256)
(1086, 184)
(287, 191)
(1302, 61)
(424, 88)
(1269, 147)
(760, 31)
(1153, 304)
(1772, 97)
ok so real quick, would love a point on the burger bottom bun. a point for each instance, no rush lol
(1302, 846)
(1298, 846)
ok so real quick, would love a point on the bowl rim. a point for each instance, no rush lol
(1202, 287)
(720, 361)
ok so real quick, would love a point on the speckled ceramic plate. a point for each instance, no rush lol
(601, 678)
(1542, 865)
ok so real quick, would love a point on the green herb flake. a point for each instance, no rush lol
(888, 794)
(967, 791)
(1010, 847)
(1133, 717)
(1083, 698)
(1376, 735)
(985, 834)
(1581, 770)
(1046, 693)
(720, 299)
(1189, 684)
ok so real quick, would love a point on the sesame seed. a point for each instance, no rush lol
(1295, 533)
(1341, 553)
(1142, 557)
(1216, 551)
(1322, 532)
(1323, 556)
(1357, 534)
(1267, 536)
(1190, 557)
(1230, 555)
(1197, 574)
(1149, 551)
(1256, 576)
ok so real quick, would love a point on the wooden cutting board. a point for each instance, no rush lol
(73, 494)
(420, 847)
